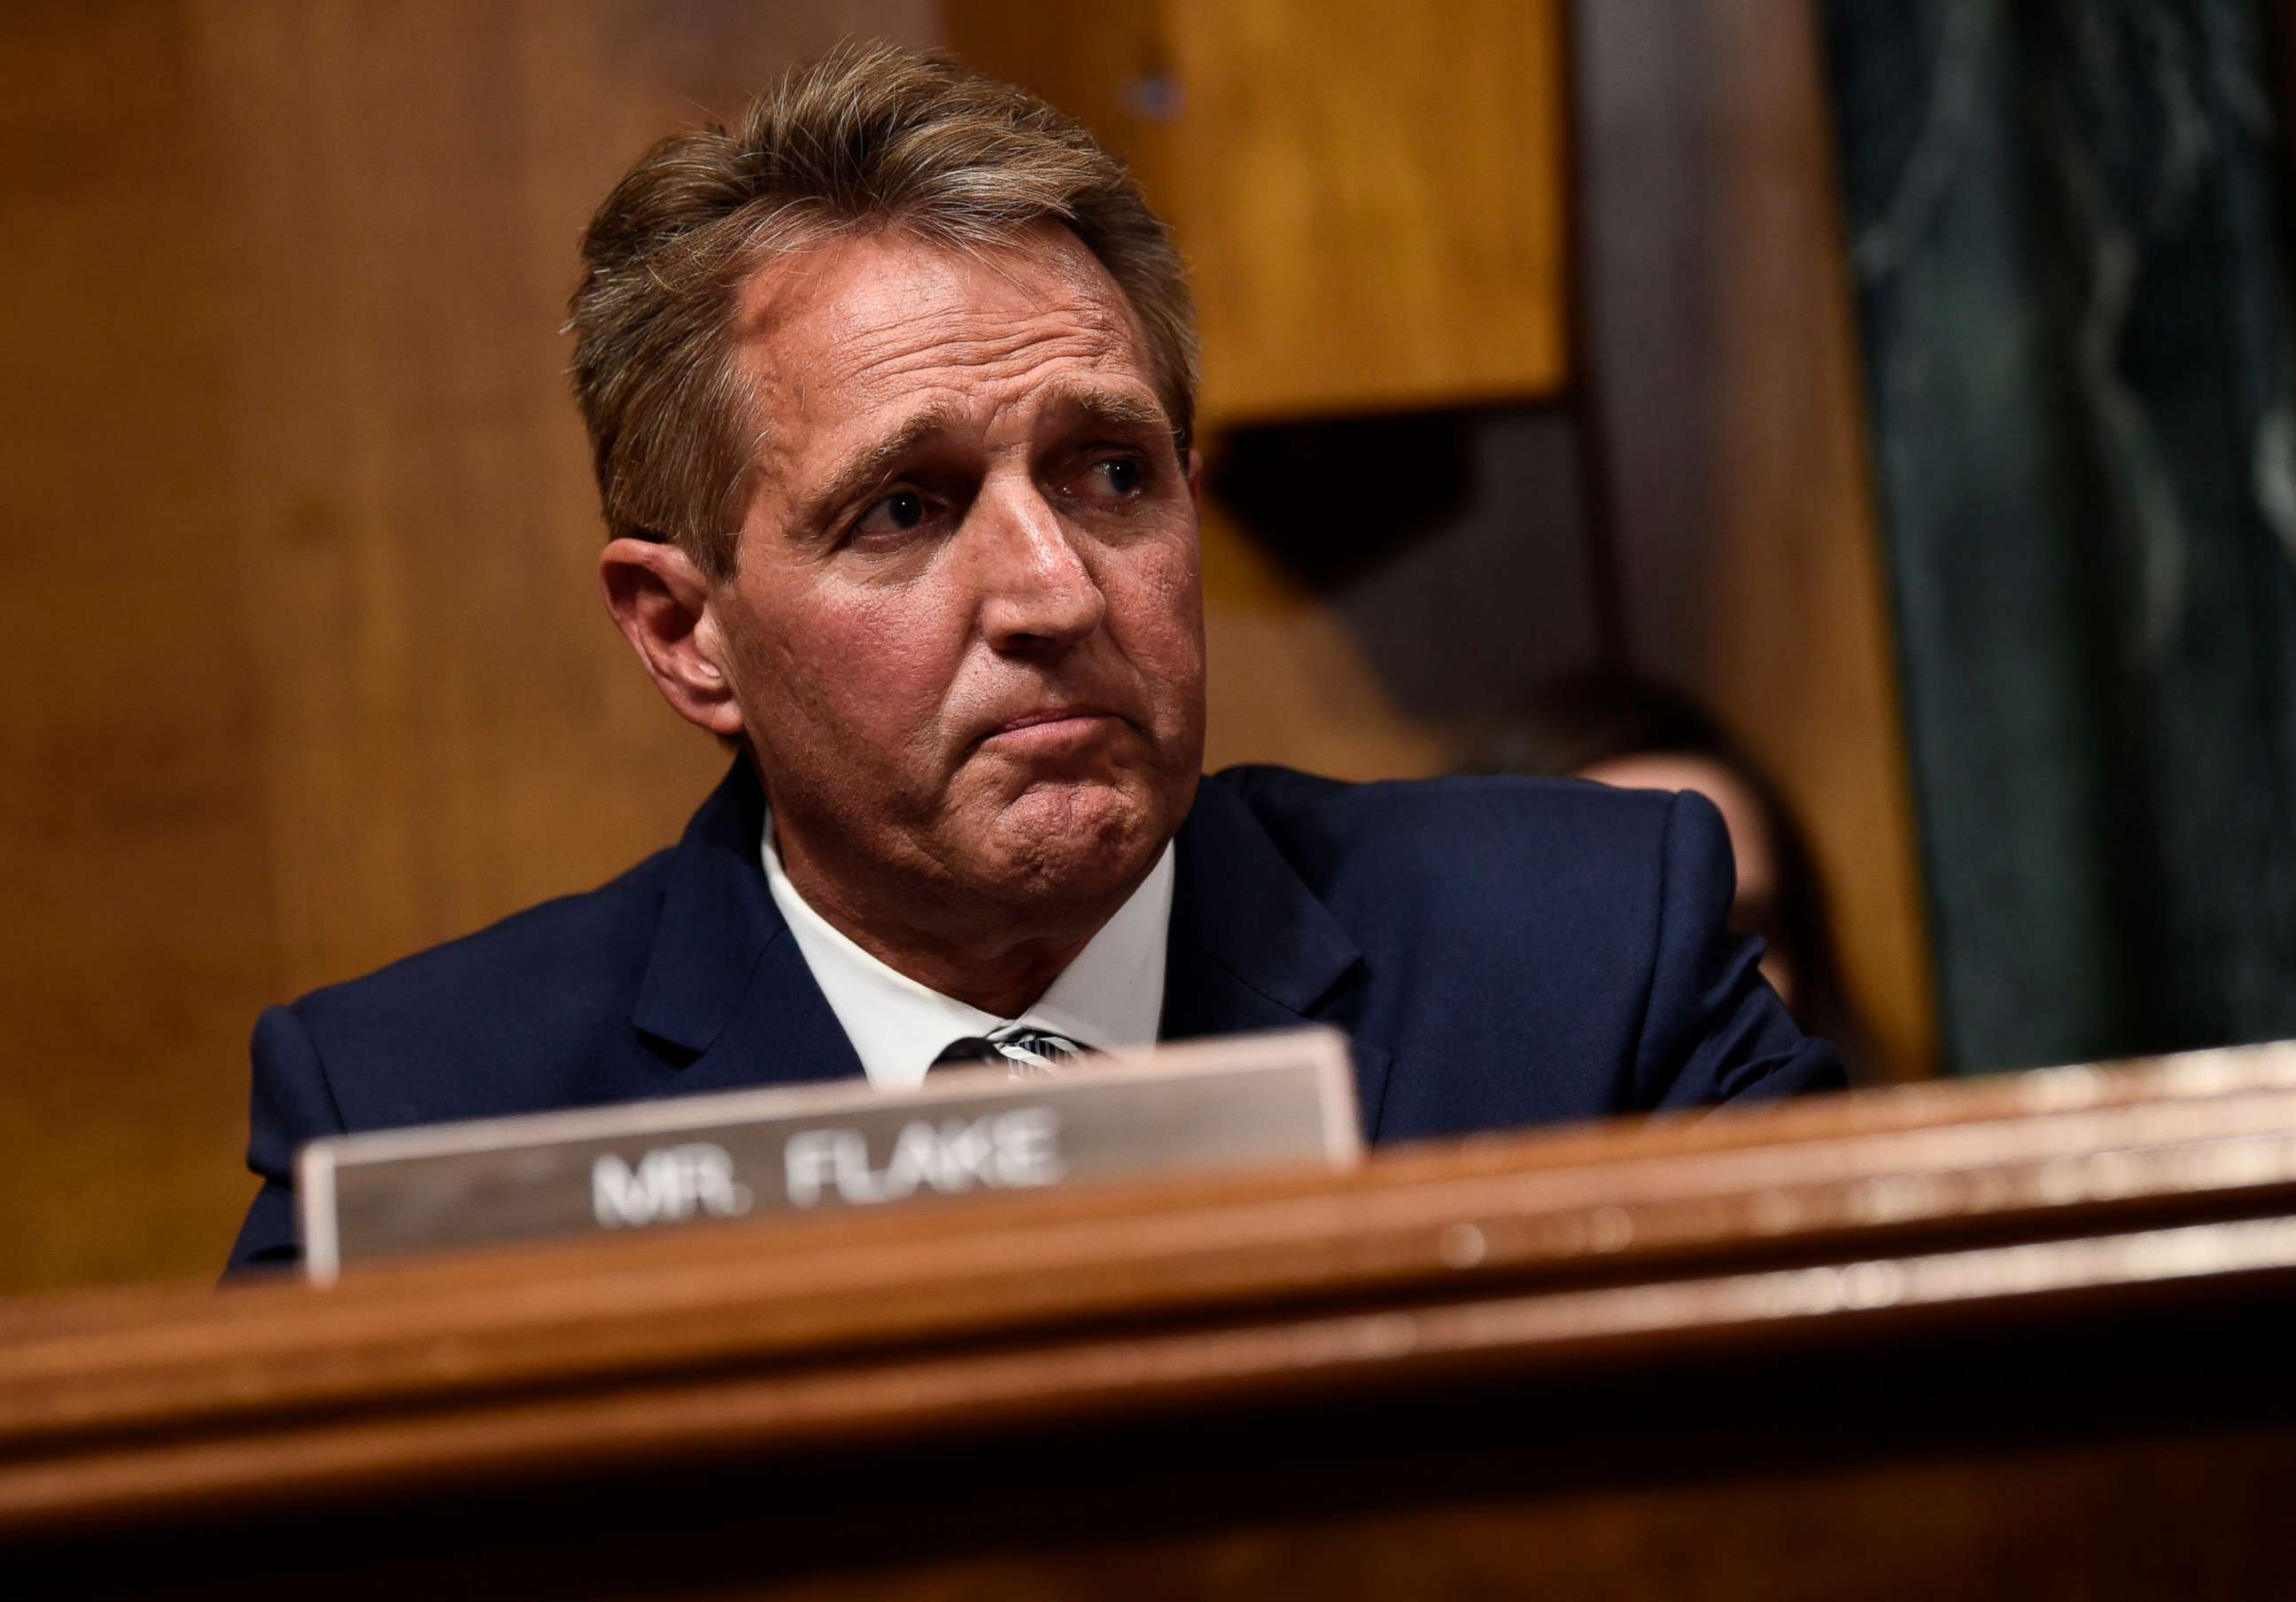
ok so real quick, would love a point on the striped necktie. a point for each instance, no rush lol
(1026, 1052)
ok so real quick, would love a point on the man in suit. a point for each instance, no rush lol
(890, 393)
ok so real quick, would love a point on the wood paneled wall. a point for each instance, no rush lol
(309, 669)
(1371, 194)
(1723, 362)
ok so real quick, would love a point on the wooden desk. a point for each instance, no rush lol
(2021, 1338)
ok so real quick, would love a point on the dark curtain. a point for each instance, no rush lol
(2067, 224)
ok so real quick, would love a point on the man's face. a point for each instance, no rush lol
(965, 628)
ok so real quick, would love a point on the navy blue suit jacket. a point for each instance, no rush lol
(1501, 952)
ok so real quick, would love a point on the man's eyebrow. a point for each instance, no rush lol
(1111, 409)
(868, 466)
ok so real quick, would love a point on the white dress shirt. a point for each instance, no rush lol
(1110, 997)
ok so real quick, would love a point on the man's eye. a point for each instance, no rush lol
(1117, 478)
(896, 513)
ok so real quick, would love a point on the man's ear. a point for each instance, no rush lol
(660, 600)
(1196, 480)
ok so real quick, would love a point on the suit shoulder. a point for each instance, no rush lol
(596, 935)
(1428, 829)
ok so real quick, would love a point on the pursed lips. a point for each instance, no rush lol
(1051, 720)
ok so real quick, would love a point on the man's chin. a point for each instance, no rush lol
(1075, 841)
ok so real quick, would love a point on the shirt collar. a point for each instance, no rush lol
(1110, 997)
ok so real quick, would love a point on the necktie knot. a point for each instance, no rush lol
(1026, 1052)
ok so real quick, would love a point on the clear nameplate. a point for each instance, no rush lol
(1244, 1101)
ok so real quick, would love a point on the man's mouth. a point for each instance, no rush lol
(1050, 727)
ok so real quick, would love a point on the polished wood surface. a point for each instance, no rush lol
(1386, 184)
(1833, 1335)
(1801, 555)
(1372, 193)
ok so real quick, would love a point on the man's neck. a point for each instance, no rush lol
(985, 968)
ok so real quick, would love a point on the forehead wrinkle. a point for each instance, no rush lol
(998, 351)
(1078, 298)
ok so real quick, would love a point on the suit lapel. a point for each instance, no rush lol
(726, 981)
(1252, 946)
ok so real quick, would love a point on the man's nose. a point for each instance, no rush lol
(1037, 590)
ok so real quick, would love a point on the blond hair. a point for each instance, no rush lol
(870, 136)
